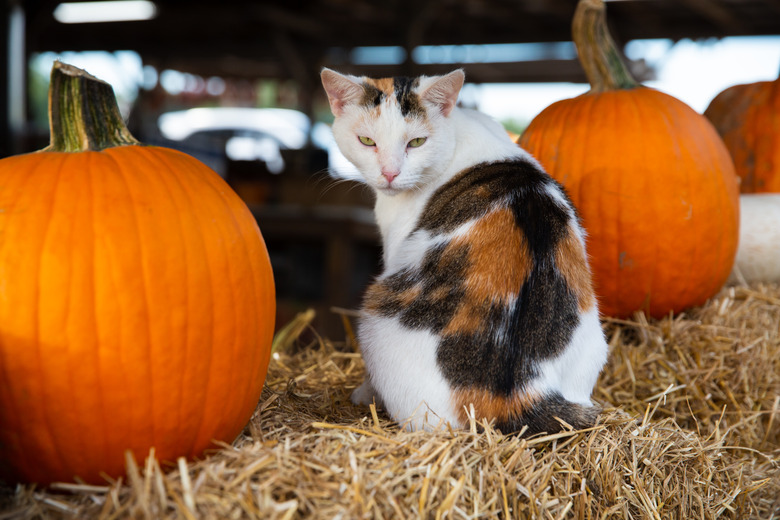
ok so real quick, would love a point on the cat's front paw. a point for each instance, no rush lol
(365, 395)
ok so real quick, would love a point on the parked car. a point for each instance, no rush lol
(216, 135)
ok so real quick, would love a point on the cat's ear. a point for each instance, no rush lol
(443, 92)
(342, 90)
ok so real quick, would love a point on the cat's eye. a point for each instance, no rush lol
(417, 142)
(366, 140)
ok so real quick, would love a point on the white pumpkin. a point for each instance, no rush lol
(758, 254)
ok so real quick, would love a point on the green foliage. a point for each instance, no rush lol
(514, 125)
(38, 95)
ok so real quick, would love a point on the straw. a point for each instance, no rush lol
(690, 429)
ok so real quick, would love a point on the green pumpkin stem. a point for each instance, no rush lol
(83, 114)
(599, 56)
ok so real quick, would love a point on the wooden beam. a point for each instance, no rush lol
(540, 71)
(774, 6)
(717, 14)
(294, 22)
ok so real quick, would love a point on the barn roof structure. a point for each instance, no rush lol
(292, 38)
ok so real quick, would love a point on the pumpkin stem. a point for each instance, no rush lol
(83, 114)
(599, 56)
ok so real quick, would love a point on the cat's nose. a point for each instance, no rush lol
(390, 175)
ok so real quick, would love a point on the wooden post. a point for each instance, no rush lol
(13, 75)
(5, 123)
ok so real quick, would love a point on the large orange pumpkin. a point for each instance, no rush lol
(136, 299)
(651, 178)
(748, 119)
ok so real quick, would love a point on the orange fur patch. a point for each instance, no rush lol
(467, 320)
(378, 294)
(571, 263)
(499, 263)
(499, 258)
(490, 406)
(439, 294)
(383, 84)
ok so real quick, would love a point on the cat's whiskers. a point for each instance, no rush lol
(332, 182)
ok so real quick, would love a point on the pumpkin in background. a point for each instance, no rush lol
(651, 179)
(136, 299)
(748, 119)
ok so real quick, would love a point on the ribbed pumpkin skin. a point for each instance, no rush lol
(656, 190)
(748, 119)
(136, 311)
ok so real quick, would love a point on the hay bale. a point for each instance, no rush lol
(691, 429)
(716, 367)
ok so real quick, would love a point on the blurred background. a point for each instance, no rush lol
(236, 84)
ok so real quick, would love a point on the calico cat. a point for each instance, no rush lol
(486, 295)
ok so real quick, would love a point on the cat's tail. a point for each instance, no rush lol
(544, 416)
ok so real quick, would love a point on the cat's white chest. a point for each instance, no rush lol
(397, 217)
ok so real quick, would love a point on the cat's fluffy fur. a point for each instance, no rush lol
(486, 297)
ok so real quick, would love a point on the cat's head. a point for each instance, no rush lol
(394, 130)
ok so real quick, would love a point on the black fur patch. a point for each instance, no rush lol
(372, 96)
(469, 194)
(538, 326)
(408, 100)
(541, 417)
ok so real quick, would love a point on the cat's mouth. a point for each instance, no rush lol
(390, 189)
(404, 185)
(391, 186)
